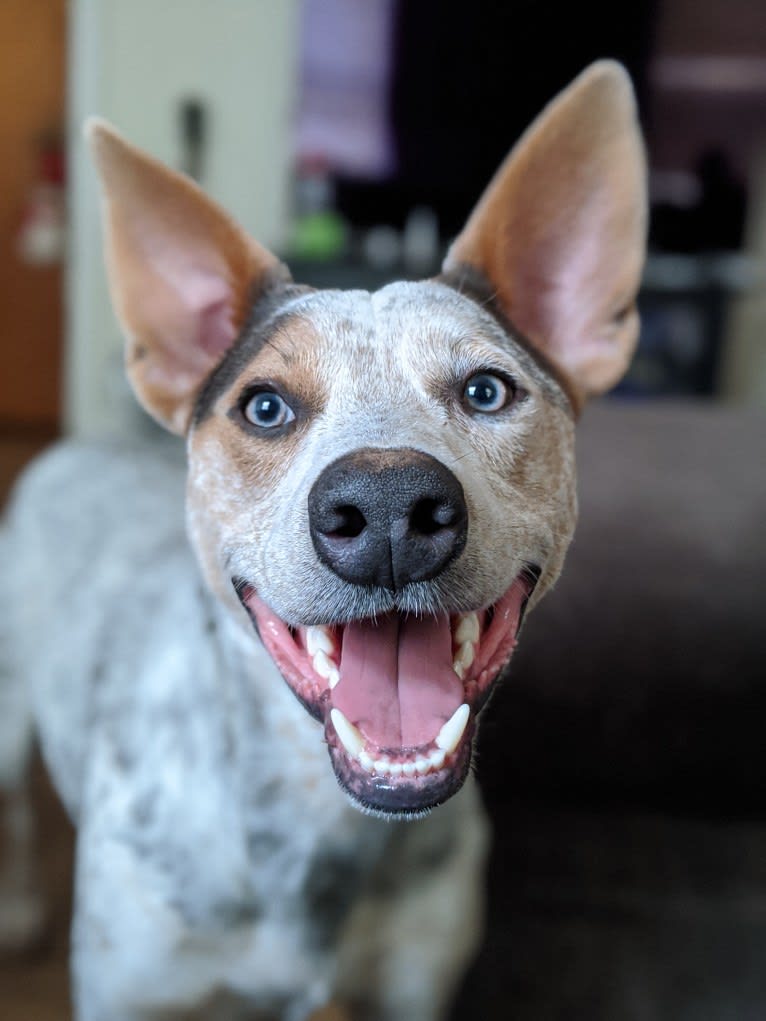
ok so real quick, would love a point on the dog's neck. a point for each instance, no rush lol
(263, 708)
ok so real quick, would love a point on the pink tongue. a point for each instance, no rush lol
(396, 679)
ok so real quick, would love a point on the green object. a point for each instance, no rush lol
(320, 235)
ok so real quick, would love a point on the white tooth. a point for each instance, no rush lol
(382, 766)
(422, 766)
(468, 629)
(448, 737)
(322, 664)
(463, 659)
(350, 737)
(396, 769)
(366, 761)
(436, 759)
(326, 668)
(319, 639)
(409, 768)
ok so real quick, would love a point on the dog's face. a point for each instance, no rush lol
(383, 482)
(383, 479)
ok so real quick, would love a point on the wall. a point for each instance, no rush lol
(133, 62)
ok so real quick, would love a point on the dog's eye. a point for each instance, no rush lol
(487, 393)
(267, 410)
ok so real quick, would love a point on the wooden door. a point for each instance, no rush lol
(32, 106)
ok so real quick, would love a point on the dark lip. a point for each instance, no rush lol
(403, 798)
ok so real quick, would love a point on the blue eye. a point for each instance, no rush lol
(486, 393)
(268, 410)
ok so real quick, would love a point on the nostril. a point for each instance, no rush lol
(429, 516)
(446, 515)
(347, 522)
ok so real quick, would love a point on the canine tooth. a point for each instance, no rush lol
(436, 759)
(326, 668)
(422, 765)
(463, 659)
(468, 629)
(448, 737)
(366, 761)
(409, 768)
(350, 737)
(396, 768)
(319, 639)
(322, 664)
(382, 766)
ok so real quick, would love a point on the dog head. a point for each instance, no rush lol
(382, 482)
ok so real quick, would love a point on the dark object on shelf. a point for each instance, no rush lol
(468, 79)
(684, 303)
(715, 222)
(193, 124)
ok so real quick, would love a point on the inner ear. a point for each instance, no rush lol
(182, 274)
(560, 232)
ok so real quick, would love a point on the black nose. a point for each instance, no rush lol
(387, 517)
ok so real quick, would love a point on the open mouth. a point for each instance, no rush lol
(398, 695)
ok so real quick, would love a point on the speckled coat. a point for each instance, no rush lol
(222, 872)
(216, 854)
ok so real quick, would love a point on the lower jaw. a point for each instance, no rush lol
(413, 781)
(405, 796)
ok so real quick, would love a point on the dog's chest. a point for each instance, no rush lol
(217, 808)
(228, 800)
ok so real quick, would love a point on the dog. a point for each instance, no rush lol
(379, 486)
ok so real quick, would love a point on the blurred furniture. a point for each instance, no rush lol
(744, 361)
(685, 305)
(31, 106)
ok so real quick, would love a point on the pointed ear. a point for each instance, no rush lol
(181, 272)
(560, 232)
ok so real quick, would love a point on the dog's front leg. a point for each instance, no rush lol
(136, 954)
(123, 936)
(166, 923)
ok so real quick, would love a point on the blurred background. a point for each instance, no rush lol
(629, 878)
(354, 138)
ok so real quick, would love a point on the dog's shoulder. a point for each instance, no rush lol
(122, 485)
(91, 530)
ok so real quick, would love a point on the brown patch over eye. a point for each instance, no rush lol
(279, 388)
